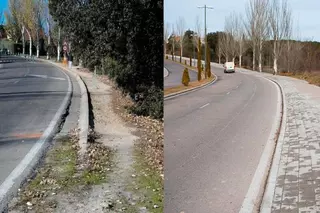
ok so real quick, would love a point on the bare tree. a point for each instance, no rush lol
(239, 37)
(257, 27)
(230, 29)
(224, 45)
(166, 36)
(181, 31)
(262, 26)
(198, 32)
(173, 37)
(280, 28)
(251, 25)
(198, 26)
(218, 47)
(294, 51)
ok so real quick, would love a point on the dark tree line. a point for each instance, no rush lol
(123, 37)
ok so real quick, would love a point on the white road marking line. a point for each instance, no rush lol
(16, 81)
(228, 93)
(204, 106)
(237, 87)
(44, 76)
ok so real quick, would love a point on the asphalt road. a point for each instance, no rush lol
(30, 95)
(214, 139)
(175, 74)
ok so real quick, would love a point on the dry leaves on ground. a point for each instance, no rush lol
(149, 130)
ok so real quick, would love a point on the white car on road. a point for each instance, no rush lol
(229, 67)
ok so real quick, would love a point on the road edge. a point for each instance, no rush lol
(26, 167)
(83, 123)
(187, 91)
(266, 203)
(166, 72)
(255, 194)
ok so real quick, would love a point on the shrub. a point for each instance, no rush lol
(151, 104)
(190, 62)
(185, 77)
(167, 57)
(208, 63)
(185, 62)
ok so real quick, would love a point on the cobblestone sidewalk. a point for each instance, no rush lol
(297, 178)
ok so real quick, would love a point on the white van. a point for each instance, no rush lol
(228, 67)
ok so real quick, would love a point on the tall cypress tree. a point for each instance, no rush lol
(199, 60)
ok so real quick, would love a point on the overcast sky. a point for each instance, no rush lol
(306, 14)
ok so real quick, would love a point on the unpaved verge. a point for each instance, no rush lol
(146, 181)
(136, 185)
(136, 182)
(58, 185)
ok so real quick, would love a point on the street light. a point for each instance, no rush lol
(205, 33)
(193, 45)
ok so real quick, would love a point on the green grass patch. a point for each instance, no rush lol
(59, 172)
(147, 184)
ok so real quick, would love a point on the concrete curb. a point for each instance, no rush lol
(83, 124)
(272, 179)
(254, 196)
(165, 72)
(187, 91)
(27, 165)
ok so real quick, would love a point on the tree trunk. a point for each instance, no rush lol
(164, 49)
(260, 56)
(240, 61)
(260, 60)
(275, 58)
(180, 53)
(30, 48)
(254, 60)
(173, 58)
(38, 51)
(288, 57)
(23, 45)
(219, 59)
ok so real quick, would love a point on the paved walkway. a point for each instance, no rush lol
(294, 180)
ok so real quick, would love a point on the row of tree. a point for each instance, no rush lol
(112, 35)
(28, 20)
(109, 35)
(264, 36)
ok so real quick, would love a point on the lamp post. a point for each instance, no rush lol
(205, 7)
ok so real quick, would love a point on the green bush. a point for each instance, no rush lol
(185, 77)
(117, 34)
(167, 57)
(151, 105)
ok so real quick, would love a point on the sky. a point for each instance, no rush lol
(3, 7)
(305, 15)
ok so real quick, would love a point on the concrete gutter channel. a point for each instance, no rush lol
(260, 193)
(25, 169)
